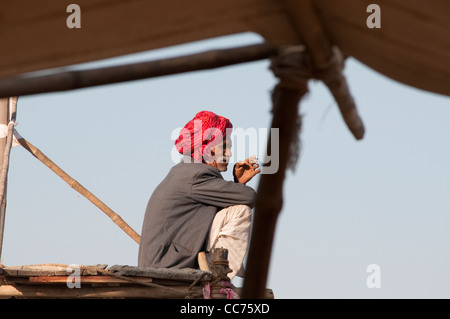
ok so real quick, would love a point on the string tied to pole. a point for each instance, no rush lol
(291, 67)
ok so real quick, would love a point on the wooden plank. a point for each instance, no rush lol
(24, 271)
(86, 280)
(186, 274)
(60, 291)
(55, 291)
(13, 280)
(47, 270)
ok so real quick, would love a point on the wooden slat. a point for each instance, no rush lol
(86, 280)
(58, 291)
(46, 270)
(161, 273)
(186, 274)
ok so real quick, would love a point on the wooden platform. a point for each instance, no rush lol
(101, 282)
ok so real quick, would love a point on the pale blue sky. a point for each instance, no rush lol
(383, 200)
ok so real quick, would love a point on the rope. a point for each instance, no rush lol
(228, 290)
(293, 67)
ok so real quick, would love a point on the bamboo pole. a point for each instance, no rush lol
(79, 188)
(269, 199)
(3, 121)
(10, 109)
(99, 76)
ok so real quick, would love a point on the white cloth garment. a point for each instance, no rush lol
(230, 229)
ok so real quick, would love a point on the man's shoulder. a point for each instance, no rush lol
(195, 169)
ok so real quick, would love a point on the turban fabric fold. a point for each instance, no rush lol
(201, 134)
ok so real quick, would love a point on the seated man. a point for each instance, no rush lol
(194, 209)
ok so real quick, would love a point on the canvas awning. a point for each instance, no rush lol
(412, 46)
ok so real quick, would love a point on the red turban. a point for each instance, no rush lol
(202, 133)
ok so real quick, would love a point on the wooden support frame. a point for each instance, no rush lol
(118, 281)
(285, 114)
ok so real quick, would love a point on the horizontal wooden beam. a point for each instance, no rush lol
(85, 292)
(88, 292)
(77, 79)
(85, 280)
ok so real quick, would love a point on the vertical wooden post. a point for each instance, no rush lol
(4, 117)
(270, 190)
(219, 265)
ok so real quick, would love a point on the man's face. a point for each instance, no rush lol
(221, 154)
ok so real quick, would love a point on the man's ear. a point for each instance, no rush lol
(212, 158)
(213, 153)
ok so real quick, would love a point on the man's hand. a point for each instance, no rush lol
(244, 171)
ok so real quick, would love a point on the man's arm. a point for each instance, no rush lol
(210, 189)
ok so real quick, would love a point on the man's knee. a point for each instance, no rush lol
(233, 215)
(241, 210)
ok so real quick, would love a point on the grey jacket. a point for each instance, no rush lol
(180, 212)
